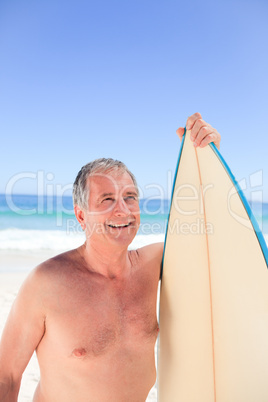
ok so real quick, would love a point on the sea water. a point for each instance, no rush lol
(29, 222)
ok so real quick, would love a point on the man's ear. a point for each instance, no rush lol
(80, 216)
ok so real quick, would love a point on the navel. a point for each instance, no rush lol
(79, 352)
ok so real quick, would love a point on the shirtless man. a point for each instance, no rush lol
(90, 313)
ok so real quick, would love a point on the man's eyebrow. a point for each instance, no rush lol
(132, 193)
(106, 195)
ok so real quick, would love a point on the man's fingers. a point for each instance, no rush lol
(200, 130)
(207, 135)
(192, 119)
(211, 137)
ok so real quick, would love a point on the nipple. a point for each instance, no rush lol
(79, 352)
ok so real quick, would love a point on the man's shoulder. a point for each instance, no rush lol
(54, 266)
(150, 259)
(152, 252)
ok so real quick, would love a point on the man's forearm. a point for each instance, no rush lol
(8, 391)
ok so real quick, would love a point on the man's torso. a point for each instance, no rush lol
(100, 333)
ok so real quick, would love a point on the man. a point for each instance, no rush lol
(90, 313)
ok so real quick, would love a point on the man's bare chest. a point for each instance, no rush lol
(93, 319)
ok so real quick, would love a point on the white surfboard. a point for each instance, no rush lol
(214, 293)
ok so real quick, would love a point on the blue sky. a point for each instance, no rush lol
(85, 79)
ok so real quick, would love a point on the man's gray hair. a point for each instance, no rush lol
(101, 165)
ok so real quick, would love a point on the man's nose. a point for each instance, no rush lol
(121, 208)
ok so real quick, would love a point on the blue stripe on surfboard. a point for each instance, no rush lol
(245, 203)
(174, 182)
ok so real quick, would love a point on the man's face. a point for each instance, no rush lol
(113, 213)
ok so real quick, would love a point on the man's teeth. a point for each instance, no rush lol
(119, 226)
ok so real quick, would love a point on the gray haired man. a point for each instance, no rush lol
(90, 313)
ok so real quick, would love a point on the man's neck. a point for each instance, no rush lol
(109, 262)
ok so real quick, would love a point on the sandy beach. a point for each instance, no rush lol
(14, 267)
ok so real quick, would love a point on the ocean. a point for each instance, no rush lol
(29, 222)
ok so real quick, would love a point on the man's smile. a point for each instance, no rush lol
(120, 225)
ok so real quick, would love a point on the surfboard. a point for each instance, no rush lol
(213, 315)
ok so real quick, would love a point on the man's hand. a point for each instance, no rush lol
(202, 133)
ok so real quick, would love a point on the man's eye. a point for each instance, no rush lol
(108, 199)
(131, 198)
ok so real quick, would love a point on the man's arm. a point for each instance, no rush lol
(24, 329)
(153, 253)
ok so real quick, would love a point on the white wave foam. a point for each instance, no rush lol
(144, 240)
(20, 239)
